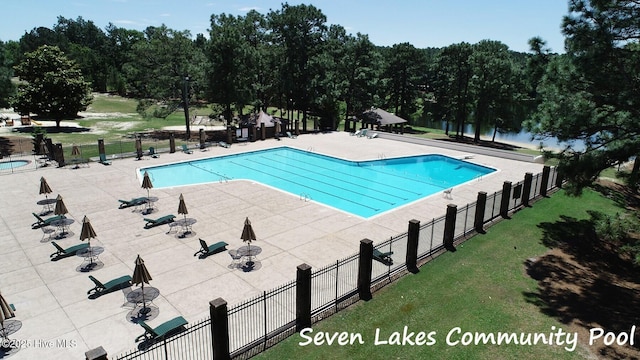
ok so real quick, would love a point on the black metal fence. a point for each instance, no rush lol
(264, 320)
(193, 343)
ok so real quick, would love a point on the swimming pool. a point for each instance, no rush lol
(9, 165)
(363, 188)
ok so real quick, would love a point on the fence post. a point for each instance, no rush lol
(546, 170)
(98, 353)
(412, 246)
(138, 148)
(101, 147)
(559, 179)
(172, 143)
(450, 226)
(263, 131)
(303, 297)
(297, 125)
(365, 265)
(201, 136)
(219, 329)
(506, 196)
(481, 204)
(59, 155)
(526, 190)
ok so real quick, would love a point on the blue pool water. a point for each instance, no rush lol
(363, 188)
(8, 165)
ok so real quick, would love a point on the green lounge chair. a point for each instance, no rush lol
(159, 221)
(133, 202)
(363, 133)
(110, 285)
(290, 136)
(185, 149)
(211, 249)
(45, 222)
(103, 160)
(60, 252)
(162, 330)
(384, 258)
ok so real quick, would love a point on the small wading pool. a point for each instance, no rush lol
(363, 188)
(9, 165)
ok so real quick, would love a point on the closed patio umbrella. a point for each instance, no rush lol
(247, 233)
(182, 207)
(146, 184)
(5, 313)
(141, 276)
(44, 187)
(248, 236)
(60, 208)
(87, 232)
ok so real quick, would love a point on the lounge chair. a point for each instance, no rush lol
(373, 136)
(357, 133)
(384, 258)
(290, 136)
(185, 149)
(447, 194)
(133, 202)
(110, 285)
(103, 160)
(153, 153)
(160, 221)
(45, 222)
(162, 330)
(223, 144)
(363, 133)
(211, 249)
(60, 252)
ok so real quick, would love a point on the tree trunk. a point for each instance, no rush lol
(633, 178)
(495, 130)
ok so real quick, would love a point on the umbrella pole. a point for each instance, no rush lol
(144, 303)
(148, 203)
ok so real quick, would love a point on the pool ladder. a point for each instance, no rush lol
(304, 196)
(224, 178)
(310, 149)
(382, 156)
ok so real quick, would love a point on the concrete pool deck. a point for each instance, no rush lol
(50, 296)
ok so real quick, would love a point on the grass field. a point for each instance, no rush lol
(482, 287)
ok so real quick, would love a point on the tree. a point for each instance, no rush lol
(592, 93)
(162, 68)
(362, 66)
(298, 32)
(451, 78)
(85, 43)
(6, 87)
(491, 83)
(229, 54)
(54, 87)
(404, 73)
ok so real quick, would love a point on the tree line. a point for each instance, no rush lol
(291, 58)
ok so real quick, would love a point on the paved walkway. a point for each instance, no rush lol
(51, 296)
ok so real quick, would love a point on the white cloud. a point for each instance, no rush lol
(249, 8)
(165, 15)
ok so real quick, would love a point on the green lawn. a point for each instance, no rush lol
(479, 288)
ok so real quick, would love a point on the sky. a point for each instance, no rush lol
(423, 23)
